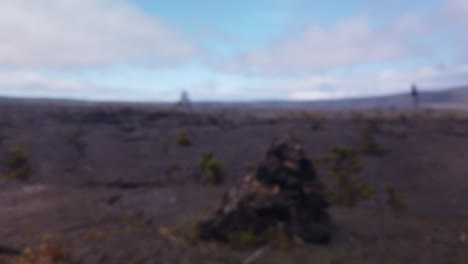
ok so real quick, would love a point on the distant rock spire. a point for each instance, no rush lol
(184, 99)
(415, 95)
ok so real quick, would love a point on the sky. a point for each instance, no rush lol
(220, 50)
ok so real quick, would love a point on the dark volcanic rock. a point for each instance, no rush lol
(284, 194)
(9, 251)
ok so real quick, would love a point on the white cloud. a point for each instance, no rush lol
(37, 84)
(26, 81)
(64, 33)
(311, 95)
(456, 11)
(318, 48)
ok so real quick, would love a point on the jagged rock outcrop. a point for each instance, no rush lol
(284, 194)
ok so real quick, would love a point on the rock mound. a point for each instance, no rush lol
(283, 195)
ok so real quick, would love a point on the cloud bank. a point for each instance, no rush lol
(351, 57)
(85, 33)
(317, 48)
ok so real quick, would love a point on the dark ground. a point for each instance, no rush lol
(109, 183)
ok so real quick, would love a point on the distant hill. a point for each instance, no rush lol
(449, 98)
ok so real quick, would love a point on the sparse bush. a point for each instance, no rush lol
(221, 117)
(183, 139)
(204, 159)
(17, 163)
(69, 168)
(464, 232)
(74, 138)
(46, 253)
(96, 235)
(315, 121)
(188, 232)
(369, 144)
(242, 239)
(277, 238)
(346, 189)
(393, 201)
(403, 118)
(363, 190)
(345, 159)
(164, 146)
(141, 154)
(250, 165)
(357, 117)
(174, 166)
(371, 126)
(465, 226)
(397, 134)
(340, 260)
(450, 117)
(212, 169)
(73, 135)
(213, 173)
(292, 135)
(142, 167)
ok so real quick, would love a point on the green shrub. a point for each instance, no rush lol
(370, 146)
(357, 117)
(345, 159)
(17, 163)
(345, 189)
(250, 165)
(393, 201)
(212, 169)
(278, 238)
(369, 143)
(315, 121)
(363, 190)
(213, 173)
(204, 159)
(183, 139)
(242, 239)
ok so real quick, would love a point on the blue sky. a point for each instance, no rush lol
(142, 50)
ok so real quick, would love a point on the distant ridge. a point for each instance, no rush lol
(449, 98)
(454, 97)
